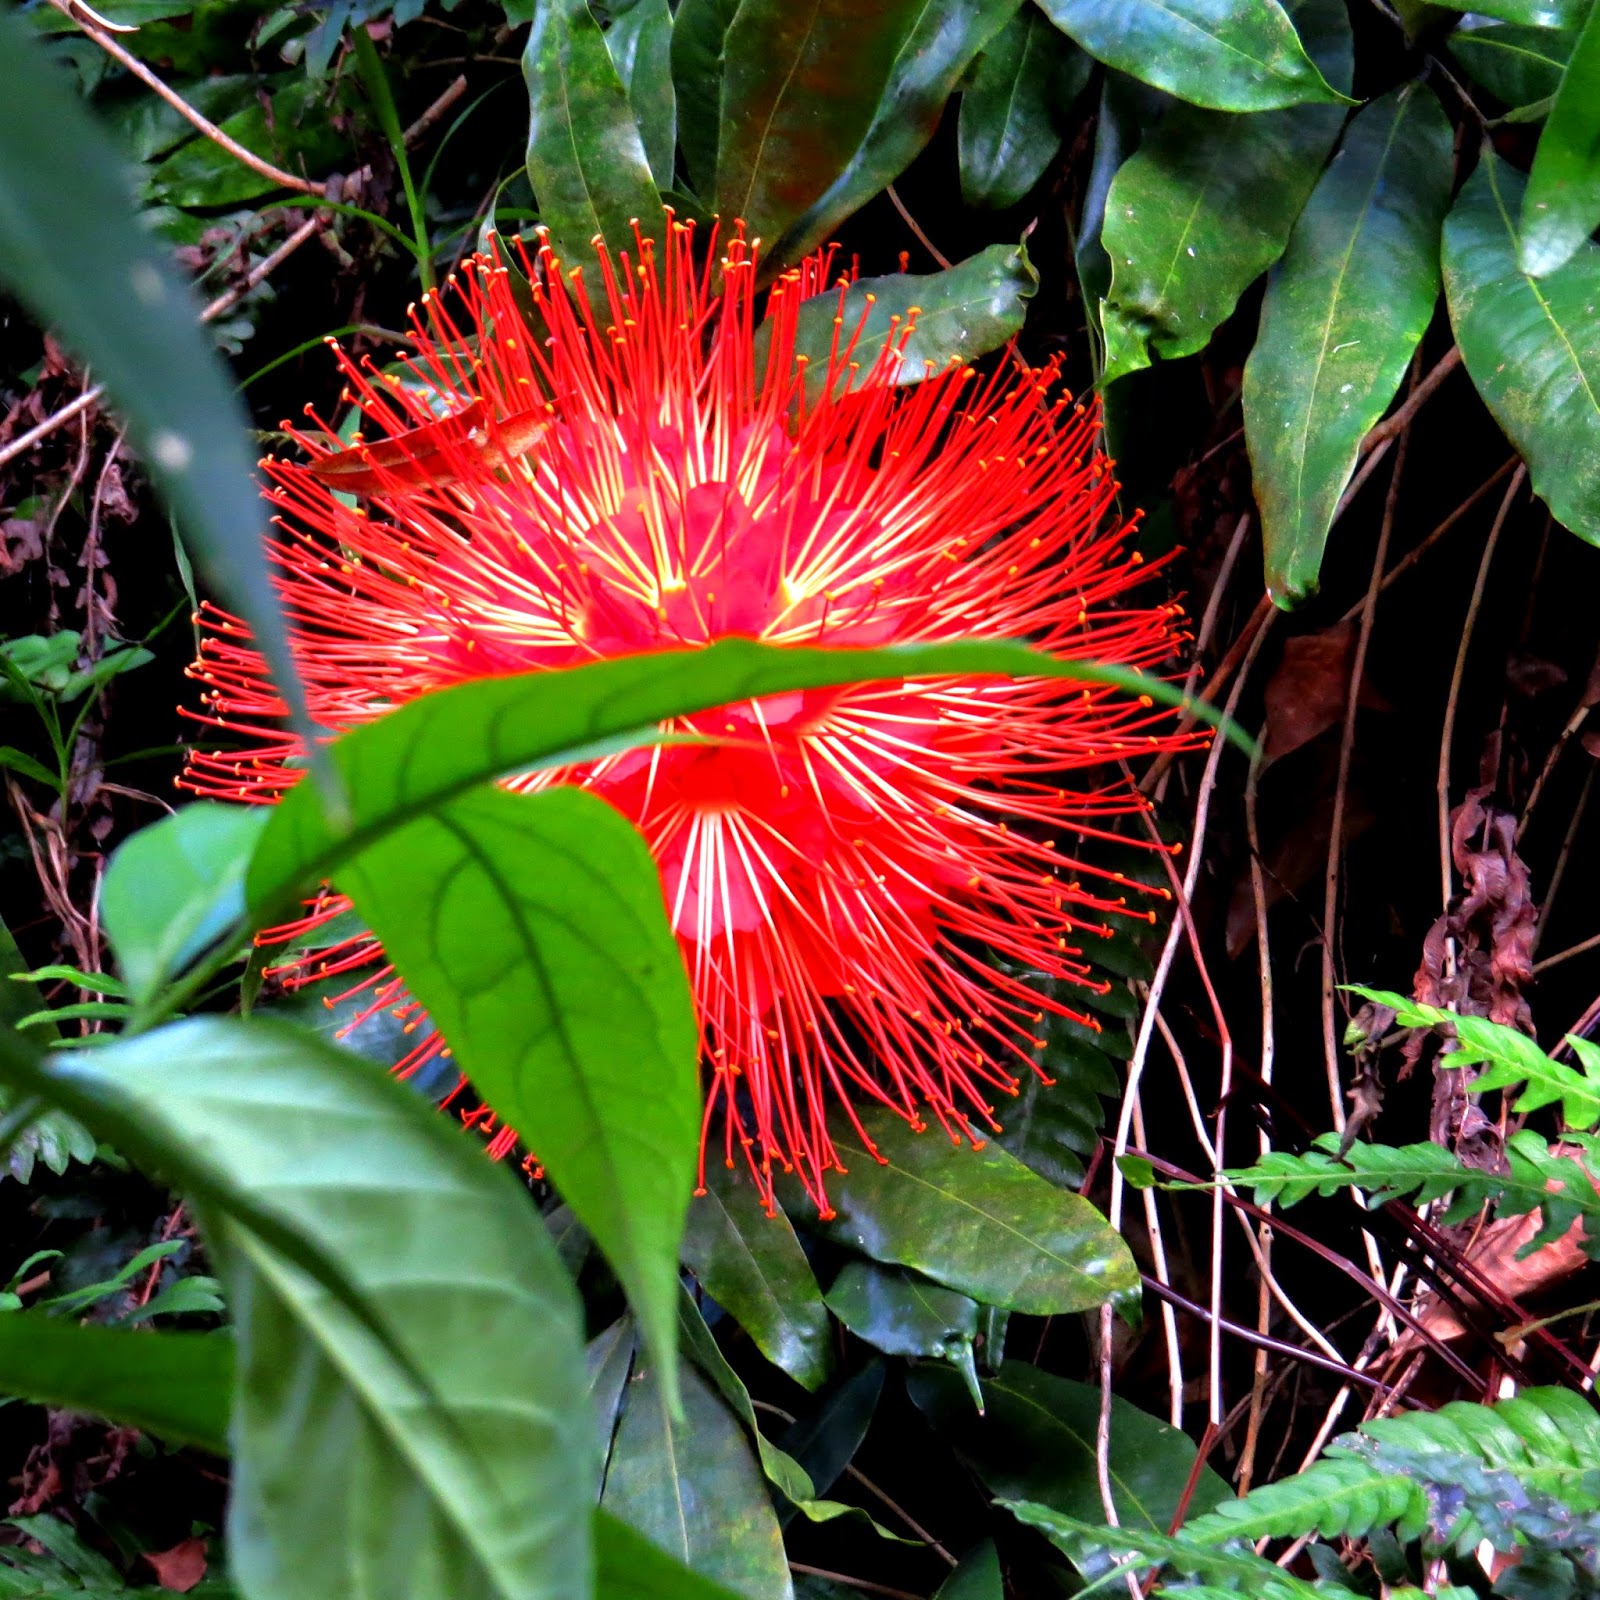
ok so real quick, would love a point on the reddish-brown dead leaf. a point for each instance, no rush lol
(181, 1567)
(433, 454)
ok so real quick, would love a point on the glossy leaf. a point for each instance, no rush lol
(752, 1265)
(629, 1567)
(825, 1441)
(444, 743)
(1561, 206)
(692, 1487)
(533, 929)
(1036, 1441)
(640, 42)
(1535, 13)
(800, 83)
(977, 1578)
(699, 37)
(608, 1359)
(1531, 347)
(1009, 127)
(963, 313)
(903, 1315)
(586, 158)
(1231, 55)
(1205, 205)
(174, 1385)
(64, 199)
(1516, 64)
(174, 888)
(475, 1475)
(1343, 314)
(977, 1221)
(943, 39)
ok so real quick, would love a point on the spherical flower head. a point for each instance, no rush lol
(874, 888)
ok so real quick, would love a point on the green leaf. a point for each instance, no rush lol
(295, 134)
(1009, 127)
(1535, 13)
(640, 43)
(174, 1385)
(484, 1463)
(1205, 205)
(444, 743)
(16, 760)
(629, 1567)
(1531, 347)
(1036, 1441)
(801, 81)
(977, 1221)
(752, 1265)
(63, 199)
(175, 888)
(1231, 55)
(1561, 206)
(1225, 1570)
(977, 1578)
(942, 41)
(692, 1487)
(586, 158)
(533, 930)
(699, 38)
(963, 313)
(903, 1315)
(1344, 311)
(1518, 65)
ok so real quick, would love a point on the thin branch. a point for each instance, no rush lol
(1565, 955)
(133, 64)
(1391, 425)
(922, 238)
(863, 1584)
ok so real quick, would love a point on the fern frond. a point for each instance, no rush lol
(1513, 1058)
(1541, 1178)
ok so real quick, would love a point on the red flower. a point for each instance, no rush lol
(841, 867)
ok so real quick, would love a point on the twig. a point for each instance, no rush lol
(1563, 955)
(133, 64)
(863, 1584)
(1447, 735)
(1559, 871)
(1410, 559)
(922, 238)
(1341, 787)
(1414, 402)
(1264, 1341)
(1158, 1255)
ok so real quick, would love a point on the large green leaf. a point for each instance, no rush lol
(533, 929)
(1205, 205)
(1535, 13)
(627, 1566)
(800, 84)
(943, 39)
(441, 744)
(699, 38)
(71, 250)
(403, 1463)
(901, 1314)
(640, 42)
(977, 1578)
(1517, 64)
(692, 1487)
(1531, 346)
(174, 888)
(962, 313)
(978, 1221)
(1036, 1441)
(174, 1385)
(1011, 117)
(1231, 55)
(753, 1266)
(1562, 204)
(586, 158)
(1344, 311)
